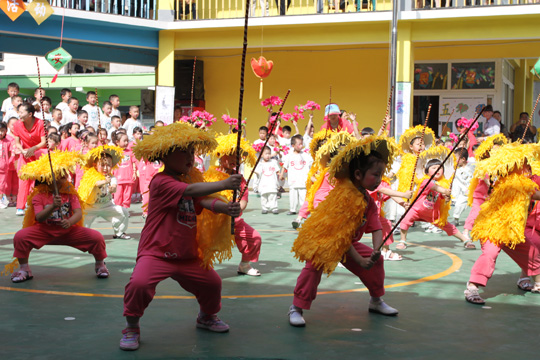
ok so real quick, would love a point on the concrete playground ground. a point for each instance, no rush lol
(65, 312)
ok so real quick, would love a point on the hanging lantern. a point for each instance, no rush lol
(58, 58)
(536, 69)
(261, 68)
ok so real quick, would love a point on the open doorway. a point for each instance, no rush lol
(420, 108)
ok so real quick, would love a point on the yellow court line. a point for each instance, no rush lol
(140, 227)
(456, 264)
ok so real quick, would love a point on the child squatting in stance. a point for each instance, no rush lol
(54, 219)
(171, 245)
(324, 241)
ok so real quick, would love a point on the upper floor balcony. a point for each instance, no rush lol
(234, 9)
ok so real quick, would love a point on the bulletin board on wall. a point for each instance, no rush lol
(463, 106)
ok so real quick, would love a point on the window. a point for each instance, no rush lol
(430, 76)
(473, 75)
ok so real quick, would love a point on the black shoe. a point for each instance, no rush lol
(123, 237)
(291, 213)
(456, 223)
(295, 224)
(275, 212)
(264, 212)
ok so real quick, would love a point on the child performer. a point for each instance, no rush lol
(126, 173)
(247, 239)
(98, 186)
(411, 145)
(323, 242)
(504, 222)
(6, 150)
(297, 164)
(89, 141)
(462, 181)
(479, 188)
(171, 242)
(54, 219)
(316, 142)
(267, 182)
(431, 207)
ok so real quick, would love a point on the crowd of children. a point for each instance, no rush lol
(364, 179)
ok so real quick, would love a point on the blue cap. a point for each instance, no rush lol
(331, 109)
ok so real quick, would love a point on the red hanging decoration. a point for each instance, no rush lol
(261, 68)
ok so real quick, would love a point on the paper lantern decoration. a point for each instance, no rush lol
(261, 68)
(58, 58)
(536, 69)
(40, 10)
(12, 8)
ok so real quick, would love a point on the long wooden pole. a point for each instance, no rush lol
(241, 102)
(55, 186)
(98, 116)
(529, 119)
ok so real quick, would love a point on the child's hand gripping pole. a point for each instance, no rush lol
(272, 128)
(55, 186)
(462, 136)
(529, 119)
(421, 142)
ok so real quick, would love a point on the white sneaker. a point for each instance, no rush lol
(436, 230)
(382, 308)
(429, 229)
(295, 316)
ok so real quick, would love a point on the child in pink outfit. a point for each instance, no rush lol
(126, 174)
(72, 143)
(428, 206)
(5, 161)
(168, 247)
(56, 223)
(89, 142)
(147, 171)
(136, 191)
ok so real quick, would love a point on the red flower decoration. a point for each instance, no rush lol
(262, 67)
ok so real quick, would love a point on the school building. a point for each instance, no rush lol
(454, 54)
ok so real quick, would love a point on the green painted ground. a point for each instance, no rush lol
(434, 321)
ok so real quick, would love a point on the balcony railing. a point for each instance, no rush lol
(144, 9)
(438, 4)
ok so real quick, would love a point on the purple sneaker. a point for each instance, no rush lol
(130, 340)
(212, 323)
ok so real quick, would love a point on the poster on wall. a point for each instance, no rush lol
(403, 107)
(165, 104)
(466, 107)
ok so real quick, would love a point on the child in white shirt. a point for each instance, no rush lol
(45, 114)
(132, 122)
(263, 132)
(460, 186)
(115, 102)
(297, 163)
(286, 139)
(70, 115)
(107, 114)
(7, 104)
(13, 113)
(92, 109)
(65, 94)
(267, 182)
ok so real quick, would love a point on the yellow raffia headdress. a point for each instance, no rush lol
(506, 159)
(115, 152)
(485, 146)
(227, 146)
(317, 140)
(437, 152)
(385, 146)
(416, 132)
(175, 136)
(334, 144)
(64, 162)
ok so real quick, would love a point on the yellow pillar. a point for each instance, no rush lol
(529, 90)
(405, 60)
(165, 69)
(520, 85)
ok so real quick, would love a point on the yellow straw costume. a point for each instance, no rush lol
(503, 216)
(406, 172)
(482, 152)
(87, 188)
(213, 230)
(322, 240)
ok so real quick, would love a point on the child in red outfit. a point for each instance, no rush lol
(136, 191)
(169, 240)
(147, 170)
(431, 203)
(5, 161)
(54, 219)
(126, 174)
(247, 239)
(323, 243)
